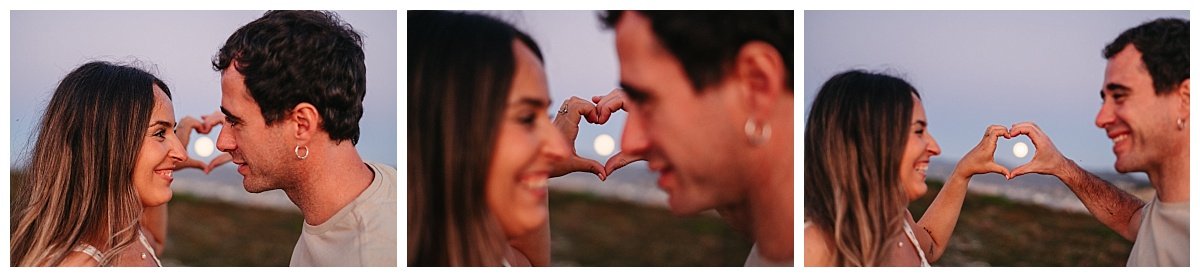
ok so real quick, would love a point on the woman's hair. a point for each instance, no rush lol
(853, 143)
(78, 185)
(460, 71)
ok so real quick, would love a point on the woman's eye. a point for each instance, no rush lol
(160, 133)
(527, 119)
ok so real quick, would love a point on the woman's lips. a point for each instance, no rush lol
(165, 174)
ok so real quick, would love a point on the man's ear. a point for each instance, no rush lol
(307, 121)
(761, 73)
(1185, 93)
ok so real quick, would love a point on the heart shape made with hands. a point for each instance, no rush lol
(202, 126)
(567, 120)
(981, 159)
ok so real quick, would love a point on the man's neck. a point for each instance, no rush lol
(336, 175)
(1170, 179)
(772, 198)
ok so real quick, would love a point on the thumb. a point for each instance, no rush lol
(993, 167)
(619, 160)
(1020, 170)
(594, 167)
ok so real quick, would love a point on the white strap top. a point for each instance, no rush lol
(89, 250)
(96, 255)
(142, 239)
(913, 238)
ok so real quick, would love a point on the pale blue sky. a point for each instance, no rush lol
(177, 46)
(975, 68)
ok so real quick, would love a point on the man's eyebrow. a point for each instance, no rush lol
(1116, 87)
(230, 115)
(636, 94)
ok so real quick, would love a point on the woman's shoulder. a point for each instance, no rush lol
(817, 247)
(79, 259)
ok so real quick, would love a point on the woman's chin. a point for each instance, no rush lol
(157, 201)
(530, 223)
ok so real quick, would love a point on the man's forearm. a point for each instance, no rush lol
(1109, 204)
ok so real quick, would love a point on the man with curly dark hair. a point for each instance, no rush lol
(292, 86)
(1146, 94)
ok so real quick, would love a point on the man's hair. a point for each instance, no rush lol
(706, 42)
(293, 57)
(1164, 46)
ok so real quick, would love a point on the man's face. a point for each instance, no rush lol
(688, 137)
(261, 153)
(1141, 124)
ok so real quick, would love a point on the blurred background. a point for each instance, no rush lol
(977, 68)
(213, 220)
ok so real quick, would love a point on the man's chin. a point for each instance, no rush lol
(679, 207)
(254, 188)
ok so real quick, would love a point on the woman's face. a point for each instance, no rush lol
(525, 148)
(161, 150)
(921, 146)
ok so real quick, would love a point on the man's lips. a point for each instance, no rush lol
(1119, 138)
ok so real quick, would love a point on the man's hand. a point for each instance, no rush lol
(1046, 159)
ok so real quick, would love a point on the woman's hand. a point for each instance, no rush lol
(606, 105)
(981, 159)
(567, 122)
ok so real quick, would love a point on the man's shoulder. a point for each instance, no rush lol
(386, 172)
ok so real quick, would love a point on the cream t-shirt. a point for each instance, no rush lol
(756, 259)
(363, 233)
(1162, 239)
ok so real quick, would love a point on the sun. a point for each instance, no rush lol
(604, 144)
(203, 147)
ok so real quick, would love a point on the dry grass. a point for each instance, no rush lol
(204, 232)
(994, 231)
(592, 231)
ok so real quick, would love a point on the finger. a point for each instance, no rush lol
(613, 102)
(189, 163)
(219, 160)
(619, 160)
(1025, 128)
(993, 167)
(607, 108)
(585, 109)
(1020, 170)
(594, 167)
(596, 99)
(996, 131)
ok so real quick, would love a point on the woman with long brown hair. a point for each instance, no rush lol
(481, 144)
(866, 151)
(99, 174)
